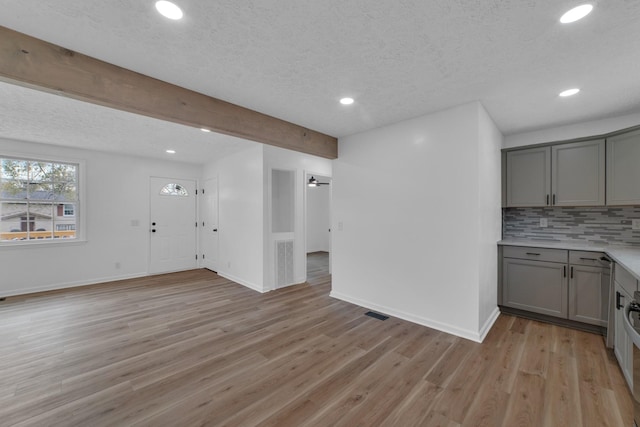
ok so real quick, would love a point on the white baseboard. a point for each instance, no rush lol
(243, 282)
(68, 285)
(489, 324)
(430, 323)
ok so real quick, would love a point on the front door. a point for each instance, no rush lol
(209, 230)
(172, 225)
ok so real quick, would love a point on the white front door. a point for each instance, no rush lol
(172, 225)
(209, 230)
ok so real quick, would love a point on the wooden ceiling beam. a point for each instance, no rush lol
(37, 64)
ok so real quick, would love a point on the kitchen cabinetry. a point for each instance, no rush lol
(589, 282)
(623, 173)
(625, 285)
(561, 175)
(565, 284)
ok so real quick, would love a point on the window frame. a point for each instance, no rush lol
(80, 221)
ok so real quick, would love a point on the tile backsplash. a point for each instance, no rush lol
(608, 225)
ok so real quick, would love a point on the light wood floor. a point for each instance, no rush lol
(195, 349)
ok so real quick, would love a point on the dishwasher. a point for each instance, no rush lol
(632, 327)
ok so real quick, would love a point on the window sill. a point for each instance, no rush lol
(42, 244)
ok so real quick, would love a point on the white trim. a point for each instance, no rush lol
(484, 330)
(242, 282)
(450, 329)
(69, 285)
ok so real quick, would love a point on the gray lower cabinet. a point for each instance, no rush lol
(536, 286)
(589, 294)
(622, 347)
(565, 284)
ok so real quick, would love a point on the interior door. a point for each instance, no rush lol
(172, 225)
(209, 229)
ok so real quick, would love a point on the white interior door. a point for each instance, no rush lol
(172, 225)
(209, 230)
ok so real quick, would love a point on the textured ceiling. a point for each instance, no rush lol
(30, 115)
(398, 58)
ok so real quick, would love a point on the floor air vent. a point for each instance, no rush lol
(376, 315)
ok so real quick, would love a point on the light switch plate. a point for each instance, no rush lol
(635, 224)
(544, 222)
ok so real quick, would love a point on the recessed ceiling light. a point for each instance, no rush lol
(569, 92)
(205, 130)
(169, 10)
(171, 151)
(576, 13)
(346, 101)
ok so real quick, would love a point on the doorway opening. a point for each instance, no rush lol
(318, 227)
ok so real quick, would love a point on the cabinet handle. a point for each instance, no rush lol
(564, 271)
(619, 296)
(547, 200)
(532, 253)
(554, 200)
(590, 259)
(605, 259)
(572, 272)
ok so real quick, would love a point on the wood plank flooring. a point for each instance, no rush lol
(317, 267)
(192, 349)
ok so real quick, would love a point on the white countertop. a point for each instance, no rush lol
(627, 256)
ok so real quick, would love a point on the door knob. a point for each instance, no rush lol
(215, 229)
(153, 223)
(153, 231)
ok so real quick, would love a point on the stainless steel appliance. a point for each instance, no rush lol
(632, 327)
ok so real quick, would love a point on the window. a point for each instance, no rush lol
(173, 189)
(38, 200)
(68, 210)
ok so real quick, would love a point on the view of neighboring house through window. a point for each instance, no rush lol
(38, 200)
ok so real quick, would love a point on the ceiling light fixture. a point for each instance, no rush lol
(569, 92)
(346, 101)
(205, 130)
(169, 10)
(576, 13)
(171, 151)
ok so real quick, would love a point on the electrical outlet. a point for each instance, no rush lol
(544, 222)
(635, 224)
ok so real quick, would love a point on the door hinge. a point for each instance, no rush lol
(203, 191)
(202, 256)
(196, 191)
(196, 224)
(196, 256)
(203, 223)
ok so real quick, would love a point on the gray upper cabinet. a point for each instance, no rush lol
(623, 173)
(561, 175)
(578, 174)
(528, 177)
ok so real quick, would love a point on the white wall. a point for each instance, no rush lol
(409, 243)
(279, 158)
(318, 217)
(489, 218)
(578, 130)
(117, 193)
(240, 221)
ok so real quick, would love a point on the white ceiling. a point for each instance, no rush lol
(294, 59)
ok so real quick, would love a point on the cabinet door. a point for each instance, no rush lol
(529, 177)
(623, 173)
(578, 174)
(623, 346)
(589, 294)
(536, 286)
